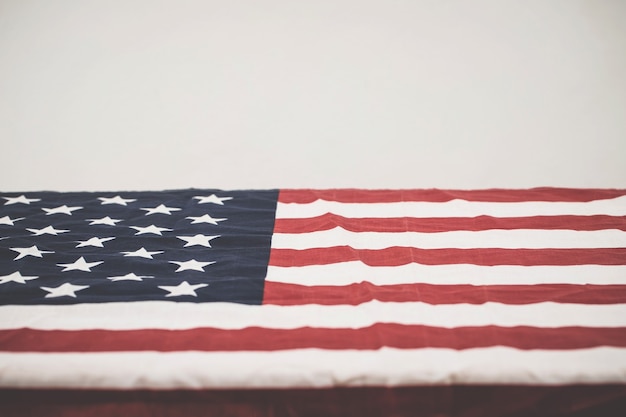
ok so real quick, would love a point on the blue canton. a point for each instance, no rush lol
(182, 245)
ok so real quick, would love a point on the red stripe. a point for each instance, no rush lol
(433, 195)
(395, 256)
(408, 224)
(260, 339)
(358, 293)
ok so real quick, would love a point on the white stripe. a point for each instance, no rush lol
(312, 368)
(166, 315)
(509, 239)
(354, 272)
(454, 208)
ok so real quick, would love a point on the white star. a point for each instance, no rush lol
(199, 240)
(205, 219)
(32, 251)
(116, 200)
(212, 199)
(105, 220)
(150, 229)
(15, 277)
(192, 265)
(94, 241)
(61, 210)
(21, 199)
(184, 288)
(46, 231)
(142, 253)
(129, 277)
(80, 265)
(161, 209)
(65, 289)
(9, 221)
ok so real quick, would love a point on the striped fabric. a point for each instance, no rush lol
(370, 289)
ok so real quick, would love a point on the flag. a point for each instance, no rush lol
(312, 289)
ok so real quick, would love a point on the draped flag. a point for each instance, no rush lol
(214, 289)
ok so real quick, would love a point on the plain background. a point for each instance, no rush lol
(145, 94)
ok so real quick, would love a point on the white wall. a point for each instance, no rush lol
(144, 94)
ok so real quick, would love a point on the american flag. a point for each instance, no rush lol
(215, 289)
